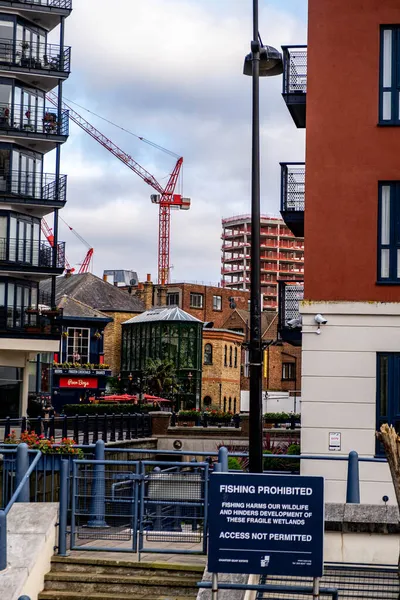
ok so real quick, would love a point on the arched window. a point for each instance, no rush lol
(226, 356)
(224, 403)
(208, 354)
(236, 353)
(230, 356)
(234, 405)
(207, 401)
(230, 404)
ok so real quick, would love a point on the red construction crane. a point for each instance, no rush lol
(48, 233)
(165, 197)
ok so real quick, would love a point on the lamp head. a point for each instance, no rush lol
(271, 62)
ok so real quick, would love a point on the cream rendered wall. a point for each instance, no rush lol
(339, 390)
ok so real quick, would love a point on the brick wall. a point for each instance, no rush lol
(207, 312)
(220, 381)
(274, 357)
(112, 339)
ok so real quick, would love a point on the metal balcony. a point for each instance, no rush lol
(35, 62)
(26, 123)
(293, 196)
(295, 82)
(35, 189)
(19, 322)
(289, 323)
(31, 256)
(46, 13)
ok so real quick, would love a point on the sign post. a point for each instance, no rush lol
(266, 524)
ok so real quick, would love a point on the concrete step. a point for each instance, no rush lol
(67, 595)
(127, 584)
(124, 567)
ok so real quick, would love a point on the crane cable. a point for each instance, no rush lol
(75, 232)
(141, 138)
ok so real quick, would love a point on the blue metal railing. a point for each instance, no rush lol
(21, 494)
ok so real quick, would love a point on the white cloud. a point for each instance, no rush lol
(171, 70)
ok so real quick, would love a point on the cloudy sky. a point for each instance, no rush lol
(171, 71)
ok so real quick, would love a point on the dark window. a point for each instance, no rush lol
(289, 371)
(173, 299)
(230, 404)
(388, 391)
(224, 403)
(226, 356)
(389, 77)
(217, 302)
(236, 356)
(196, 300)
(234, 405)
(208, 354)
(389, 232)
(207, 401)
(230, 356)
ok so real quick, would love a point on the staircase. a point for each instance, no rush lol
(74, 578)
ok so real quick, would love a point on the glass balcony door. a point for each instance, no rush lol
(27, 174)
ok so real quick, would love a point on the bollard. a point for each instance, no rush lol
(353, 479)
(98, 501)
(223, 459)
(3, 540)
(21, 468)
(62, 527)
(24, 598)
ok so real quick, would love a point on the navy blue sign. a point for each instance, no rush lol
(267, 524)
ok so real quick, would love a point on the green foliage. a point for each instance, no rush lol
(190, 415)
(114, 386)
(159, 378)
(234, 464)
(107, 409)
(280, 417)
(277, 464)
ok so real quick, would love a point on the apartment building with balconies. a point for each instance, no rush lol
(346, 199)
(282, 256)
(30, 128)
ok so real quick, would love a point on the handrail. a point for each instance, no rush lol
(23, 481)
(14, 497)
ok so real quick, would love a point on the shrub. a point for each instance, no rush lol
(234, 464)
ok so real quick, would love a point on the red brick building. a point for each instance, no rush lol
(282, 361)
(205, 302)
(351, 218)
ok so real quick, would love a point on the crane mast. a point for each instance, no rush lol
(165, 197)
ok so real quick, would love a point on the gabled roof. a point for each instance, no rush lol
(163, 313)
(94, 292)
(269, 321)
(73, 308)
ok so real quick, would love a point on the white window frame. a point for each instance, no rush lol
(196, 300)
(76, 350)
(217, 300)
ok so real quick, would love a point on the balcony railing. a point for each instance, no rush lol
(38, 55)
(295, 82)
(293, 196)
(289, 325)
(67, 4)
(22, 118)
(19, 321)
(31, 253)
(37, 187)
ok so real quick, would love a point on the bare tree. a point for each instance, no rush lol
(391, 443)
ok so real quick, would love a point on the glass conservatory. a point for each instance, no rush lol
(165, 333)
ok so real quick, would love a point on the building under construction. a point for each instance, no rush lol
(282, 255)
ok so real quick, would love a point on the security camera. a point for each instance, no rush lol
(293, 323)
(320, 319)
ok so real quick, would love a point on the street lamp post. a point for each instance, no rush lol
(263, 61)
